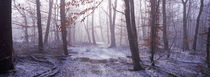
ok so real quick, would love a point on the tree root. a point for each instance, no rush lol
(49, 73)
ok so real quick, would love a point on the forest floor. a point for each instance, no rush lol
(99, 61)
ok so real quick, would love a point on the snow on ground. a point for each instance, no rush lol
(93, 61)
(96, 53)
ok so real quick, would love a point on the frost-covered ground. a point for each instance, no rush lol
(98, 61)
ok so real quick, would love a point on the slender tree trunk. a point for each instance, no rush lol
(154, 25)
(26, 30)
(48, 22)
(87, 30)
(108, 39)
(165, 37)
(56, 23)
(39, 25)
(185, 36)
(101, 27)
(63, 26)
(197, 25)
(132, 35)
(6, 47)
(112, 23)
(93, 35)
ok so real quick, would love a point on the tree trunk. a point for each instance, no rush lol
(112, 23)
(185, 37)
(197, 25)
(132, 35)
(208, 49)
(48, 22)
(154, 17)
(87, 30)
(39, 25)
(56, 22)
(101, 27)
(63, 26)
(6, 48)
(93, 35)
(165, 37)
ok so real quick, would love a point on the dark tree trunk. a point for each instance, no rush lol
(165, 37)
(132, 35)
(208, 49)
(185, 37)
(48, 22)
(63, 26)
(6, 37)
(154, 25)
(39, 25)
(197, 25)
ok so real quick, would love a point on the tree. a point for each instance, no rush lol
(39, 25)
(48, 22)
(6, 47)
(208, 49)
(132, 34)
(112, 23)
(154, 17)
(63, 26)
(197, 25)
(93, 35)
(165, 38)
(185, 37)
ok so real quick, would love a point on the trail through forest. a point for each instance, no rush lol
(98, 61)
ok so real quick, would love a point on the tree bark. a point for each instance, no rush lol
(208, 49)
(112, 23)
(154, 25)
(132, 35)
(165, 37)
(93, 35)
(6, 47)
(48, 22)
(197, 25)
(63, 26)
(39, 25)
(185, 36)
(87, 30)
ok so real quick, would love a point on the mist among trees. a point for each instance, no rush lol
(104, 38)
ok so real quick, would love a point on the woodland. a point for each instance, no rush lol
(104, 38)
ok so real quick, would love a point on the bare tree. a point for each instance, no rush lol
(48, 22)
(197, 24)
(208, 49)
(165, 37)
(93, 32)
(132, 34)
(185, 36)
(112, 23)
(63, 26)
(39, 25)
(6, 47)
(154, 25)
